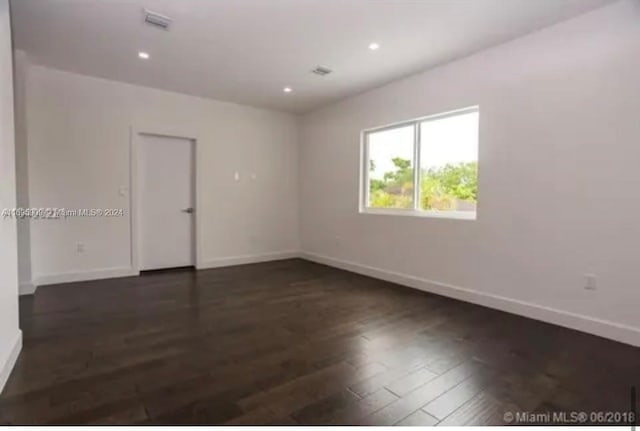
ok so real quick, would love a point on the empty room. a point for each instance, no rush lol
(319, 212)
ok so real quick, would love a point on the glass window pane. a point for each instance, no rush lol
(449, 163)
(391, 167)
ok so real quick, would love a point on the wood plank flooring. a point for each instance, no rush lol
(293, 342)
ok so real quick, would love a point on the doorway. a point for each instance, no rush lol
(165, 182)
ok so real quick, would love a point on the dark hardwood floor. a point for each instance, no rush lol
(293, 342)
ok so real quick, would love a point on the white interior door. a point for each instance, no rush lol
(165, 173)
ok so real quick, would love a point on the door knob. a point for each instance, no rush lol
(188, 210)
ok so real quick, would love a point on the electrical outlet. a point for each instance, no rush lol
(80, 247)
(590, 282)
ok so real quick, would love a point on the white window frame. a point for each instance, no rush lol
(415, 211)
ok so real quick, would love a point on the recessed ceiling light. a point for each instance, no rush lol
(373, 46)
(143, 55)
(287, 89)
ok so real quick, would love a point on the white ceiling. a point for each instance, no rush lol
(246, 51)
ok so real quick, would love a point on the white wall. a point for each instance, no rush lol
(10, 335)
(558, 185)
(78, 131)
(20, 65)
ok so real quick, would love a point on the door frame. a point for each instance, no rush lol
(134, 201)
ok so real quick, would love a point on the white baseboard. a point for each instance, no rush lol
(100, 274)
(253, 258)
(9, 362)
(603, 328)
(97, 274)
(27, 288)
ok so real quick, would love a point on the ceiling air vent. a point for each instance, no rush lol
(157, 20)
(322, 71)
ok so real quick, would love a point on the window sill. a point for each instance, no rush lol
(453, 215)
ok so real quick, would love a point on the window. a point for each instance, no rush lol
(391, 168)
(423, 167)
